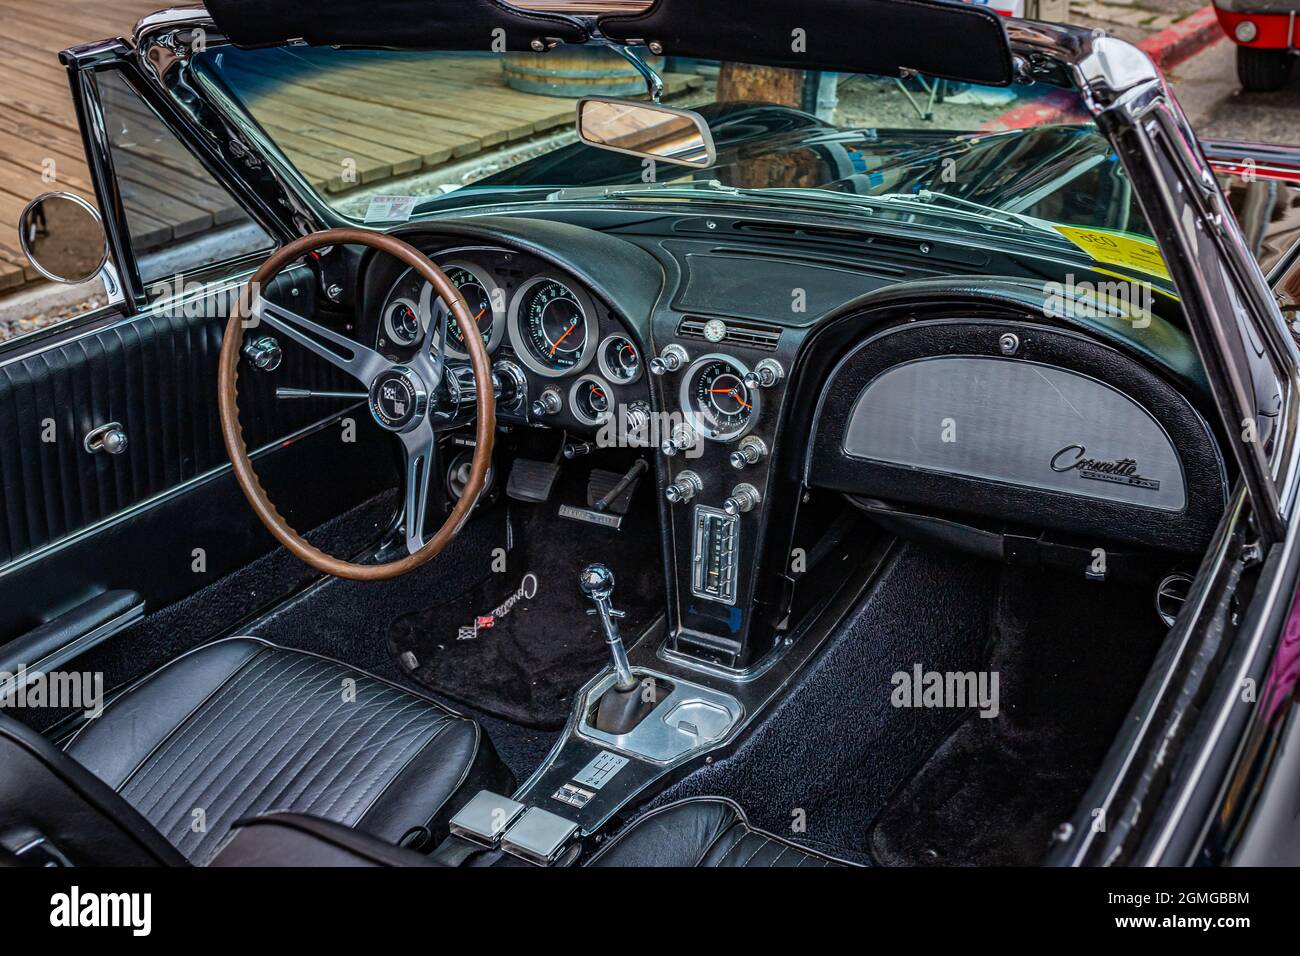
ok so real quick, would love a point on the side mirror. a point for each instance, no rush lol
(63, 237)
(646, 129)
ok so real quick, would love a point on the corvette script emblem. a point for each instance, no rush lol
(1122, 471)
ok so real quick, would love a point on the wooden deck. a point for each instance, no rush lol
(39, 136)
(343, 128)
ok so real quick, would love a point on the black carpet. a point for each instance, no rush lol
(828, 754)
(1070, 656)
(519, 643)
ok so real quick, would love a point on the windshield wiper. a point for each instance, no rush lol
(691, 187)
(923, 201)
(927, 197)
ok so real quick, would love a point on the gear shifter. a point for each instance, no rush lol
(624, 705)
(597, 583)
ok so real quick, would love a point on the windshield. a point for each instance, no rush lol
(382, 136)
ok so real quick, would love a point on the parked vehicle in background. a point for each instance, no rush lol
(1267, 35)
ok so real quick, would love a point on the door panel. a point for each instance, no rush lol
(73, 523)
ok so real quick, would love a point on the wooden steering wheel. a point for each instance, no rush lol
(402, 398)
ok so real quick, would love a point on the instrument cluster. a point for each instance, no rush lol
(538, 323)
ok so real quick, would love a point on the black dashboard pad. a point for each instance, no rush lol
(956, 41)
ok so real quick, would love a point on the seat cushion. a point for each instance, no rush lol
(242, 727)
(706, 831)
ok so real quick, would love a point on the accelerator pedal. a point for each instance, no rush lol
(611, 492)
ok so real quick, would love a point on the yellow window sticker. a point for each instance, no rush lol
(1118, 249)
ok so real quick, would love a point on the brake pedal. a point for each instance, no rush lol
(532, 480)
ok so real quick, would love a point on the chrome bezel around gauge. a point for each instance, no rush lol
(609, 371)
(489, 283)
(521, 343)
(686, 399)
(576, 407)
(421, 315)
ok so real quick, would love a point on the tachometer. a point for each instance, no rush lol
(552, 326)
(716, 399)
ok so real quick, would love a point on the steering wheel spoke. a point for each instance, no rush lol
(420, 447)
(351, 356)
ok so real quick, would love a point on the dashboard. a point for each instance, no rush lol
(767, 363)
(560, 355)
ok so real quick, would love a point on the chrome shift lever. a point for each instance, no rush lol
(597, 583)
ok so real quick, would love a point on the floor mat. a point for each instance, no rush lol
(520, 644)
(1070, 658)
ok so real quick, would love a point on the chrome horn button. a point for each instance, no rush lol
(398, 400)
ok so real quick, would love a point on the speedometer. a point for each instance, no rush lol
(716, 398)
(552, 327)
(483, 301)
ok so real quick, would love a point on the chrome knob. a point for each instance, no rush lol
(751, 452)
(683, 438)
(548, 403)
(765, 374)
(596, 581)
(513, 387)
(115, 442)
(743, 498)
(263, 353)
(637, 418)
(108, 438)
(670, 359)
(686, 487)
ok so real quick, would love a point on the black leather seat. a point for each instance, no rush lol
(242, 727)
(706, 831)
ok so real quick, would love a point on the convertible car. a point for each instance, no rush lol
(835, 433)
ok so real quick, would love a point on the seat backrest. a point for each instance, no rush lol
(47, 796)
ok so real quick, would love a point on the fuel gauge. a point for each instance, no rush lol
(620, 360)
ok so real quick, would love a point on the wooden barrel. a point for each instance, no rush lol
(574, 71)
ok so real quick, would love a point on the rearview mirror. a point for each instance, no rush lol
(646, 129)
(63, 237)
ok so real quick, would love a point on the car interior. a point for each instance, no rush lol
(606, 533)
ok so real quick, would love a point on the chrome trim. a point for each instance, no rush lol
(653, 739)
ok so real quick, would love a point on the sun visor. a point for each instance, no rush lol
(392, 24)
(956, 41)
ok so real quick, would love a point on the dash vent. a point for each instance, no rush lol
(751, 335)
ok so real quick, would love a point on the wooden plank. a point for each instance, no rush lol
(397, 123)
(345, 133)
(327, 90)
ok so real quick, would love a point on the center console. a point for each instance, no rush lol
(722, 387)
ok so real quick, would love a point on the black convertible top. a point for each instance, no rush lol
(958, 41)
